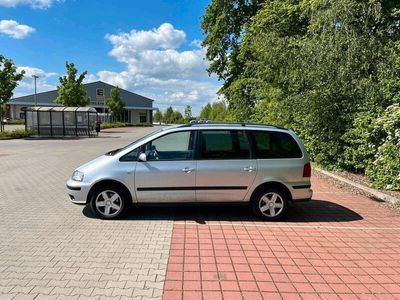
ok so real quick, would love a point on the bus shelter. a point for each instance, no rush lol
(61, 121)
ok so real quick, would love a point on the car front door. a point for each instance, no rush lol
(168, 175)
(225, 171)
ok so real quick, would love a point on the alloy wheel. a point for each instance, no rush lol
(108, 203)
(271, 204)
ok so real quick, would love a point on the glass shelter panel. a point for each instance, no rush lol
(61, 121)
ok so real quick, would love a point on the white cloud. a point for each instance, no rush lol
(174, 91)
(90, 78)
(163, 37)
(182, 96)
(27, 85)
(41, 4)
(195, 43)
(157, 67)
(30, 71)
(155, 53)
(160, 64)
(14, 29)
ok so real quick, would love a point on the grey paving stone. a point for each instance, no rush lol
(53, 249)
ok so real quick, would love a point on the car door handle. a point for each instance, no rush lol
(187, 170)
(249, 169)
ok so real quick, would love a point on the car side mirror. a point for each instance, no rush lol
(142, 157)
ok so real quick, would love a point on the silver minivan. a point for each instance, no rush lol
(260, 165)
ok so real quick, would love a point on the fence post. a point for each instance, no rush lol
(51, 124)
(26, 125)
(38, 122)
(88, 123)
(76, 123)
(63, 122)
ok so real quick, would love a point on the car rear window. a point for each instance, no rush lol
(273, 144)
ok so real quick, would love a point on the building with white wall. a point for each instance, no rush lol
(138, 109)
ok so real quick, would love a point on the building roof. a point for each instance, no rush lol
(61, 109)
(132, 100)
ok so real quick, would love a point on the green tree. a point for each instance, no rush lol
(380, 148)
(71, 91)
(168, 116)
(158, 116)
(9, 78)
(205, 113)
(217, 111)
(177, 118)
(325, 69)
(116, 105)
(224, 23)
(312, 65)
(188, 113)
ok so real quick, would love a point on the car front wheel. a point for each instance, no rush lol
(270, 204)
(109, 202)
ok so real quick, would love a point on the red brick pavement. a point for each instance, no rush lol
(340, 245)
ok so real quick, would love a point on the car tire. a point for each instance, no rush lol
(109, 202)
(270, 204)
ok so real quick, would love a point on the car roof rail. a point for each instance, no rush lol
(244, 124)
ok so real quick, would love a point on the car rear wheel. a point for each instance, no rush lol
(270, 204)
(109, 202)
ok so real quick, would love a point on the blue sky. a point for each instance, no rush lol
(149, 47)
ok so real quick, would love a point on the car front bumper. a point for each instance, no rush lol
(77, 191)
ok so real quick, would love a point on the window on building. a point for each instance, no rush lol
(22, 112)
(143, 117)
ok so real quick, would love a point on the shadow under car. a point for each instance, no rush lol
(304, 212)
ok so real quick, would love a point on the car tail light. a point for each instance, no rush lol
(307, 170)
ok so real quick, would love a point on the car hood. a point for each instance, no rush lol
(95, 164)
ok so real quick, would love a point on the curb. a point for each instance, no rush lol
(375, 193)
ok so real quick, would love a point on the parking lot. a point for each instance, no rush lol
(340, 245)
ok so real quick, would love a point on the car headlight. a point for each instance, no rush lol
(77, 176)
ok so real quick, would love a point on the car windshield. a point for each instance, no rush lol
(115, 151)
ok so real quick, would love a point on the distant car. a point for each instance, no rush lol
(261, 165)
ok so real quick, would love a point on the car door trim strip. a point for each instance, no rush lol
(191, 188)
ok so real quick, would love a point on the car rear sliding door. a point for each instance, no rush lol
(224, 170)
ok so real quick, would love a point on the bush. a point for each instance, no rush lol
(373, 147)
(15, 122)
(112, 125)
(107, 125)
(14, 134)
(359, 149)
(384, 170)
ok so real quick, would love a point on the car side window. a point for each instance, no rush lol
(131, 156)
(173, 146)
(224, 144)
(272, 144)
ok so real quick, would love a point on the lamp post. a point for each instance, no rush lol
(35, 77)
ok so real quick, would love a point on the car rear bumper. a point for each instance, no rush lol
(301, 193)
(77, 191)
